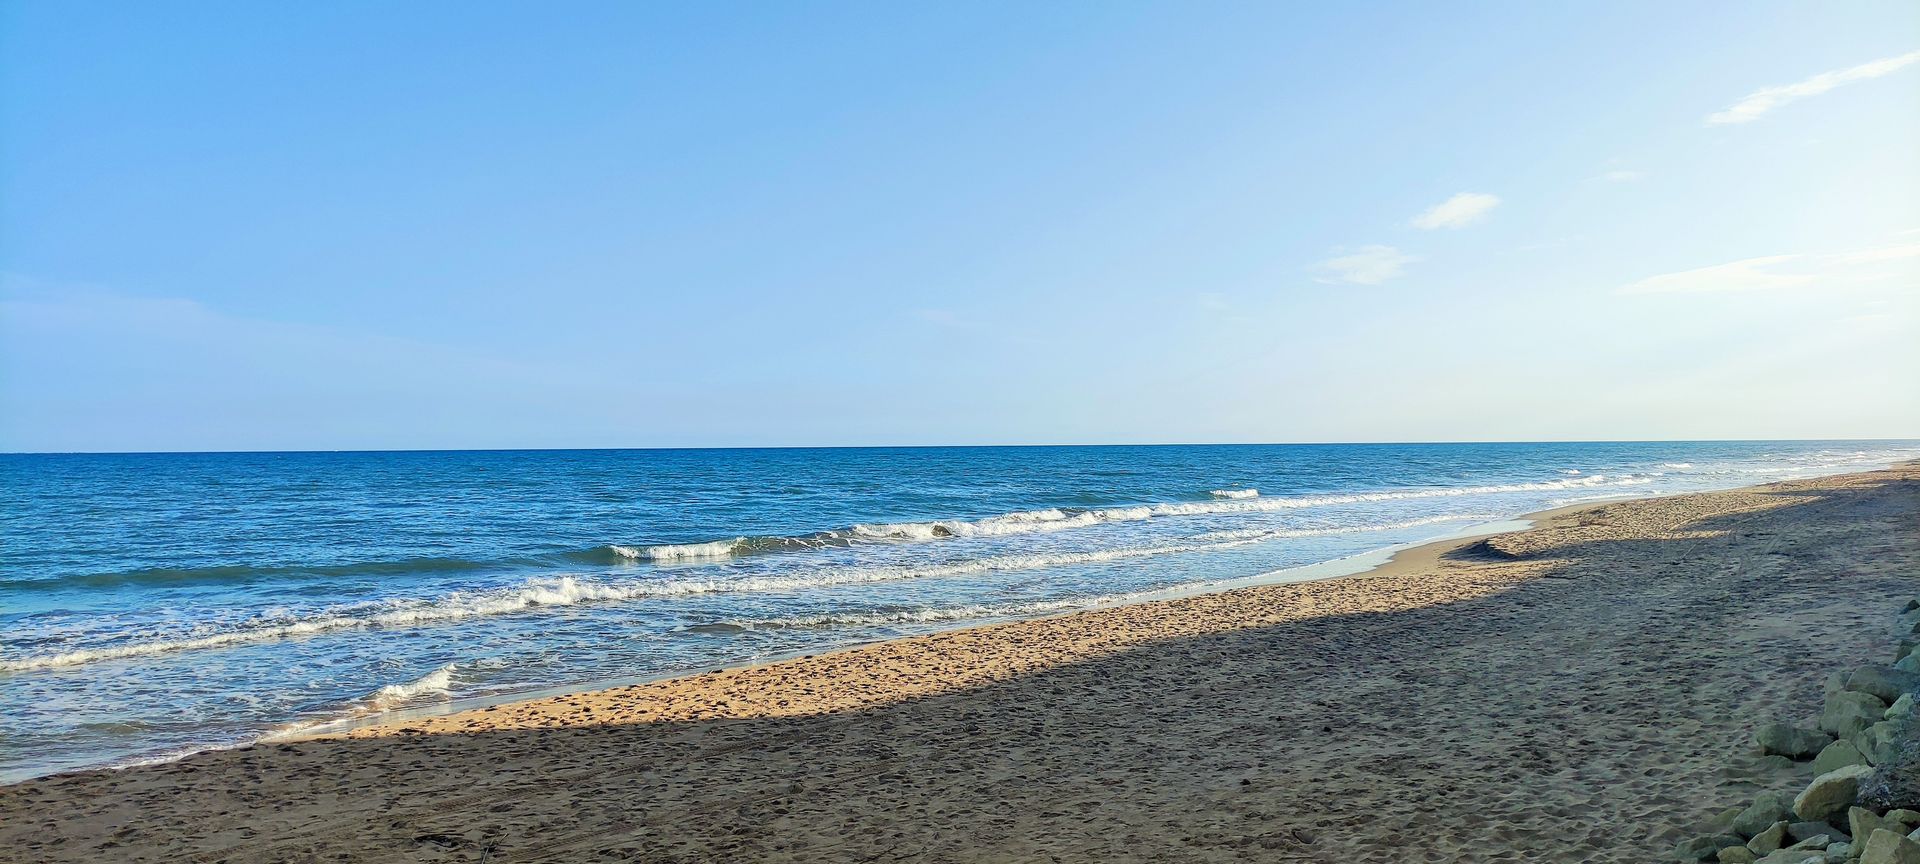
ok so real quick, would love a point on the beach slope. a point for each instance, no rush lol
(1579, 692)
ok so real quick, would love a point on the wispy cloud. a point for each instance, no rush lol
(1750, 274)
(1366, 265)
(1779, 272)
(1756, 104)
(1459, 211)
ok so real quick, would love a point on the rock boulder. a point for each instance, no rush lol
(1787, 740)
(1890, 847)
(1884, 682)
(1850, 711)
(1839, 754)
(1831, 793)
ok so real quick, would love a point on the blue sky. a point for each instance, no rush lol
(262, 226)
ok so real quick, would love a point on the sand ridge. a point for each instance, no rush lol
(1570, 693)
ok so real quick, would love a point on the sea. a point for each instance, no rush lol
(155, 605)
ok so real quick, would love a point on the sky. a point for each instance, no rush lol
(475, 225)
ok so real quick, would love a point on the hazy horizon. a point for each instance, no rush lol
(1042, 444)
(227, 227)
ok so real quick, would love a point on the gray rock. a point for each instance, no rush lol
(1767, 809)
(1793, 856)
(1862, 822)
(1884, 682)
(1850, 711)
(1787, 740)
(1901, 707)
(1737, 855)
(1705, 847)
(1890, 847)
(1798, 832)
(1906, 647)
(1839, 852)
(1909, 663)
(1878, 742)
(1829, 794)
(1908, 819)
(1835, 683)
(1895, 783)
(1816, 841)
(1722, 822)
(1770, 839)
(1839, 754)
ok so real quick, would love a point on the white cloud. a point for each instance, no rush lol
(1751, 274)
(1366, 265)
(1459, 211)
(1775, 272)
(1765, 99)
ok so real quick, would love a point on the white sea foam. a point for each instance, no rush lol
(565, 591)
(439, 682)
(573, 590)
(1036, 521)
(683, 551)
(1677, 466)
(1052, 519)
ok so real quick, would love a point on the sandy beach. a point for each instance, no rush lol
(1579, 692)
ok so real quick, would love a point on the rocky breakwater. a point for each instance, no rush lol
(1863, 801)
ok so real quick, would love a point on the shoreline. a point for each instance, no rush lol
(1373, 562)
(1384, 562)
(1571, 692)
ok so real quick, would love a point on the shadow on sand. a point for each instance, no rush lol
(1587, 706)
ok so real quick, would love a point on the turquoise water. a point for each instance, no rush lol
(155, 604)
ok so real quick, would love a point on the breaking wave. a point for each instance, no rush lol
(439, 682)
(683, 551)
(563, 591)
(1052, 519)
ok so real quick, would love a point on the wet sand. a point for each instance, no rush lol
(1579, 692)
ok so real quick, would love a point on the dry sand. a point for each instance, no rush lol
(1579, 692)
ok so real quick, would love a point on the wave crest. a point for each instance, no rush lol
(1068, 518)
(562, 591)
(439, 682)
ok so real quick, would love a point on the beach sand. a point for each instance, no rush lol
(1584, 691)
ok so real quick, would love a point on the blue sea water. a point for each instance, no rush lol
(156, 604)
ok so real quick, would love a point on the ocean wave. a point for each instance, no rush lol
(439, 682)
(241, 573)
(683, 551)
(565, 591)
(1052, 519)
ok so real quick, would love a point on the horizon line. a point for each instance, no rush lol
(937, 446)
